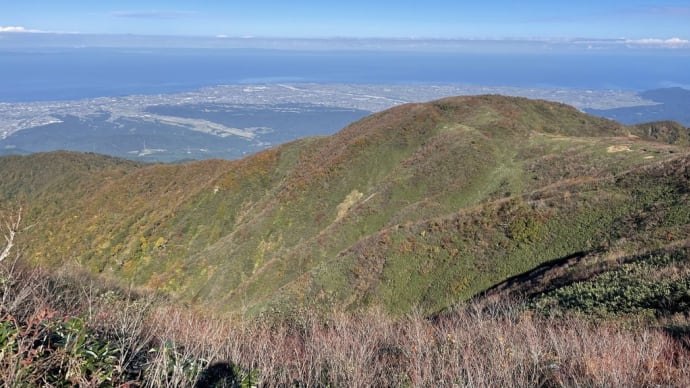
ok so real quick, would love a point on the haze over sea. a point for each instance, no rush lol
(76, 73)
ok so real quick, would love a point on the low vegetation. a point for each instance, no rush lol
(475, 241)
(64, 330)
(416, 207)
(654, 285)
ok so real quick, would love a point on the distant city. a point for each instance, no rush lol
(244, 118)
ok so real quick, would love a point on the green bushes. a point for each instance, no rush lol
(654, 286)
(60, 351)
(524, 229)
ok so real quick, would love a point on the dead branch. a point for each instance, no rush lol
(12, 228)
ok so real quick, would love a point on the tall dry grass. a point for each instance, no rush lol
(155, 343)
(471, 347)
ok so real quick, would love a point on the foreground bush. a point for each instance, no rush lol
(59, 331)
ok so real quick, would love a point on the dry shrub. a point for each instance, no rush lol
(471, 347)
(156, 343)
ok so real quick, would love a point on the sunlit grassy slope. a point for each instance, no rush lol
(421, 205)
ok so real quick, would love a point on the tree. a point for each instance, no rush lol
(12, 227)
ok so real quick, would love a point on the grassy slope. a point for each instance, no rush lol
(419, 205)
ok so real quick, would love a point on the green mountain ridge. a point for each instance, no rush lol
(420, 206)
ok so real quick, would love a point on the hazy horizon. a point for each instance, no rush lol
(25, 40)
(629, 45)
(663, 22)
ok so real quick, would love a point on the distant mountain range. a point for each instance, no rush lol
(673, 104)
(420, 206)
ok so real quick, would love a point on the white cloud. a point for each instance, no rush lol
(654, 42)
(16, 29)
(12, 29)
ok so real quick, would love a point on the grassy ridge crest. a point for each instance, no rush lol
(420, 205)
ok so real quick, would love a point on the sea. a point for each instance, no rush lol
(77, 73)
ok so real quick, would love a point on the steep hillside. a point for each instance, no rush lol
(420, 205)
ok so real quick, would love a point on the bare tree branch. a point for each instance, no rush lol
(12, 228)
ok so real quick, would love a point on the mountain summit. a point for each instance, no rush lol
(422, 205)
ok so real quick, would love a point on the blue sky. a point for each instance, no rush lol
(628, 19)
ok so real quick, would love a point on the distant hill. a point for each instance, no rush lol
(673, 104)
(422, 205)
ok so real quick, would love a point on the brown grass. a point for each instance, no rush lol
(161, 344)
(495, 347)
